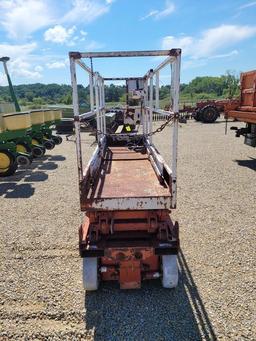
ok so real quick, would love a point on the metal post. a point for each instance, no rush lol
(13, 96)
(102, 111)
(100, 104)
(146, 104)
(157, 90)
(103, 104)
(91, 91)
(76, 119)
(175, 92)
(150, 105)
(97, 106)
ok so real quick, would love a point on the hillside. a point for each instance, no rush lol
(199, 88)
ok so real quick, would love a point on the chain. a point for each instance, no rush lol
(161, 128)
(158, 130)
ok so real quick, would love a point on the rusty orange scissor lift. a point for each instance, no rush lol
(127, 189)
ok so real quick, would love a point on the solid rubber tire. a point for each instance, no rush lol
(170, 271)
(49, 144)
(90, 273)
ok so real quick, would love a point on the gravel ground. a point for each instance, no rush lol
(41, 289)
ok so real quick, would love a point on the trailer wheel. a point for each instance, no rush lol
(24, 160)
(209, 114)
(8, 164)
(170, 271)
(49, 144)
(57, 139)
(38, 151)
(90, 273)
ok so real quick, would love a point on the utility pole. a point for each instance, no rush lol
(13, 96)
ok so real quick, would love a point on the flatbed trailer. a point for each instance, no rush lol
(127, 189)
(246, 109)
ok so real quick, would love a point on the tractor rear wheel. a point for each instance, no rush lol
(209, 114)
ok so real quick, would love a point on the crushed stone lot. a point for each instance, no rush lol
(41, 294)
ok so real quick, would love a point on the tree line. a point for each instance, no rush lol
(200, 87)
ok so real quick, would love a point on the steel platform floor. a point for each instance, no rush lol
(126, 174)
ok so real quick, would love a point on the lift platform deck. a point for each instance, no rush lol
(126, 180)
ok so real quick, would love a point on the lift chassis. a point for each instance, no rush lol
(127, 189)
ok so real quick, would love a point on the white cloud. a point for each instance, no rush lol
(21, 68)
(217, 38)
(157, 14)
(185, 43)
(249, 4)
(21, 18)
(85, 11)
(18, 64)
(3, 79)
(38, 68)
(211, 41)
(56, 65)
(150, 14)
(59, 34)
(13, 51)
(93, 45)
(225, 55)
(83, 33)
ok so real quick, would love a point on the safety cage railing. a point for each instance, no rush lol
(149, 85)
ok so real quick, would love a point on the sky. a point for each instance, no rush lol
(215, 36)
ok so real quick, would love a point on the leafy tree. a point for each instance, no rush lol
(200, 87)
(231, 82)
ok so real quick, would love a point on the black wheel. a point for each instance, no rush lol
(8, 163)
(49, 144)
(197, 115)
(24, 160)
(209, 114)
(38, 151)
(57, 139)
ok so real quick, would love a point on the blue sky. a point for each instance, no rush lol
(215, 36)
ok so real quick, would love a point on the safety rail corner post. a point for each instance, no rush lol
(175, 88)
(72, 60)
(151, 91)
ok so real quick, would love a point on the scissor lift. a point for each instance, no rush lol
(127, 190)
